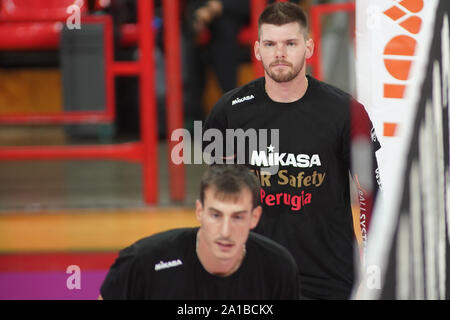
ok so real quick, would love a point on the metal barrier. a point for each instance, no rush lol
(145, 150)
(174, 93)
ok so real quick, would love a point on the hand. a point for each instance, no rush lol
(202, 18)
(204, 15)
(215, 6)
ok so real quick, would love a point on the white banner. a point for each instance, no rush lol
(391, 36)
(393, 40)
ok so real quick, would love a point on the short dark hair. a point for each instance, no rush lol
(229, 180)
(280, 13)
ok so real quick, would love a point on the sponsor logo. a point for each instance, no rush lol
(240, 100)
(270, 158)
(296, 202)
(170, 264)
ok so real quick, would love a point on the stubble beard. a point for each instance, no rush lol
(281, 77)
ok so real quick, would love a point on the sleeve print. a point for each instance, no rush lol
(364, 166)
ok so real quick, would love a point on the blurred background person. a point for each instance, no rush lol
(223, 20)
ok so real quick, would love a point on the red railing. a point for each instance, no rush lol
(174, 93)
(145, 150)
(106, 116)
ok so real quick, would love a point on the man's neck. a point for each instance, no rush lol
(285, 92)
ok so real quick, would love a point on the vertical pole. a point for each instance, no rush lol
(174, 93)
(147, 101)
(109, 62)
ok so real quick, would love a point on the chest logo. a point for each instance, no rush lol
(271, 158)
(169, 264)
(239, 100)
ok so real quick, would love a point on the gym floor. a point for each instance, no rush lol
(56, 214)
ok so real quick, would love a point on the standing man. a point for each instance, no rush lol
(221, 259)
(306, 201)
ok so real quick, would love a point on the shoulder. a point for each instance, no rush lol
(328, 91)
(245, 95)
(161, 243)
(166, 239)
(338, 103)
(132, 271)
(274, 253)
(330, 97)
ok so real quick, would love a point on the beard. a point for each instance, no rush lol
(281, 75)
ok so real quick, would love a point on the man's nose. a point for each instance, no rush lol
(225, 229)
(280, 51)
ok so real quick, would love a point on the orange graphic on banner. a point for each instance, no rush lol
(394, 13)
(412, 24)
(395, 91)
(399, 69)
(389, 129)
(402, 46)
(414, 6)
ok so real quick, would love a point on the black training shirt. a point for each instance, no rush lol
(166, 266)
(306, 200)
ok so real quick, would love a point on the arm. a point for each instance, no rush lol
(364, 165)
(206, 13)
(360, 147)
(125, 278)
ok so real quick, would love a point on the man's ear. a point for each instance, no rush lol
(198, 210)
(256, 49)
(256, 214)
(309, 48)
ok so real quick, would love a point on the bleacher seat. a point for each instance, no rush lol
(33, 24)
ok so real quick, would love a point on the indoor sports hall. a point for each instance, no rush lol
(92, 91)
